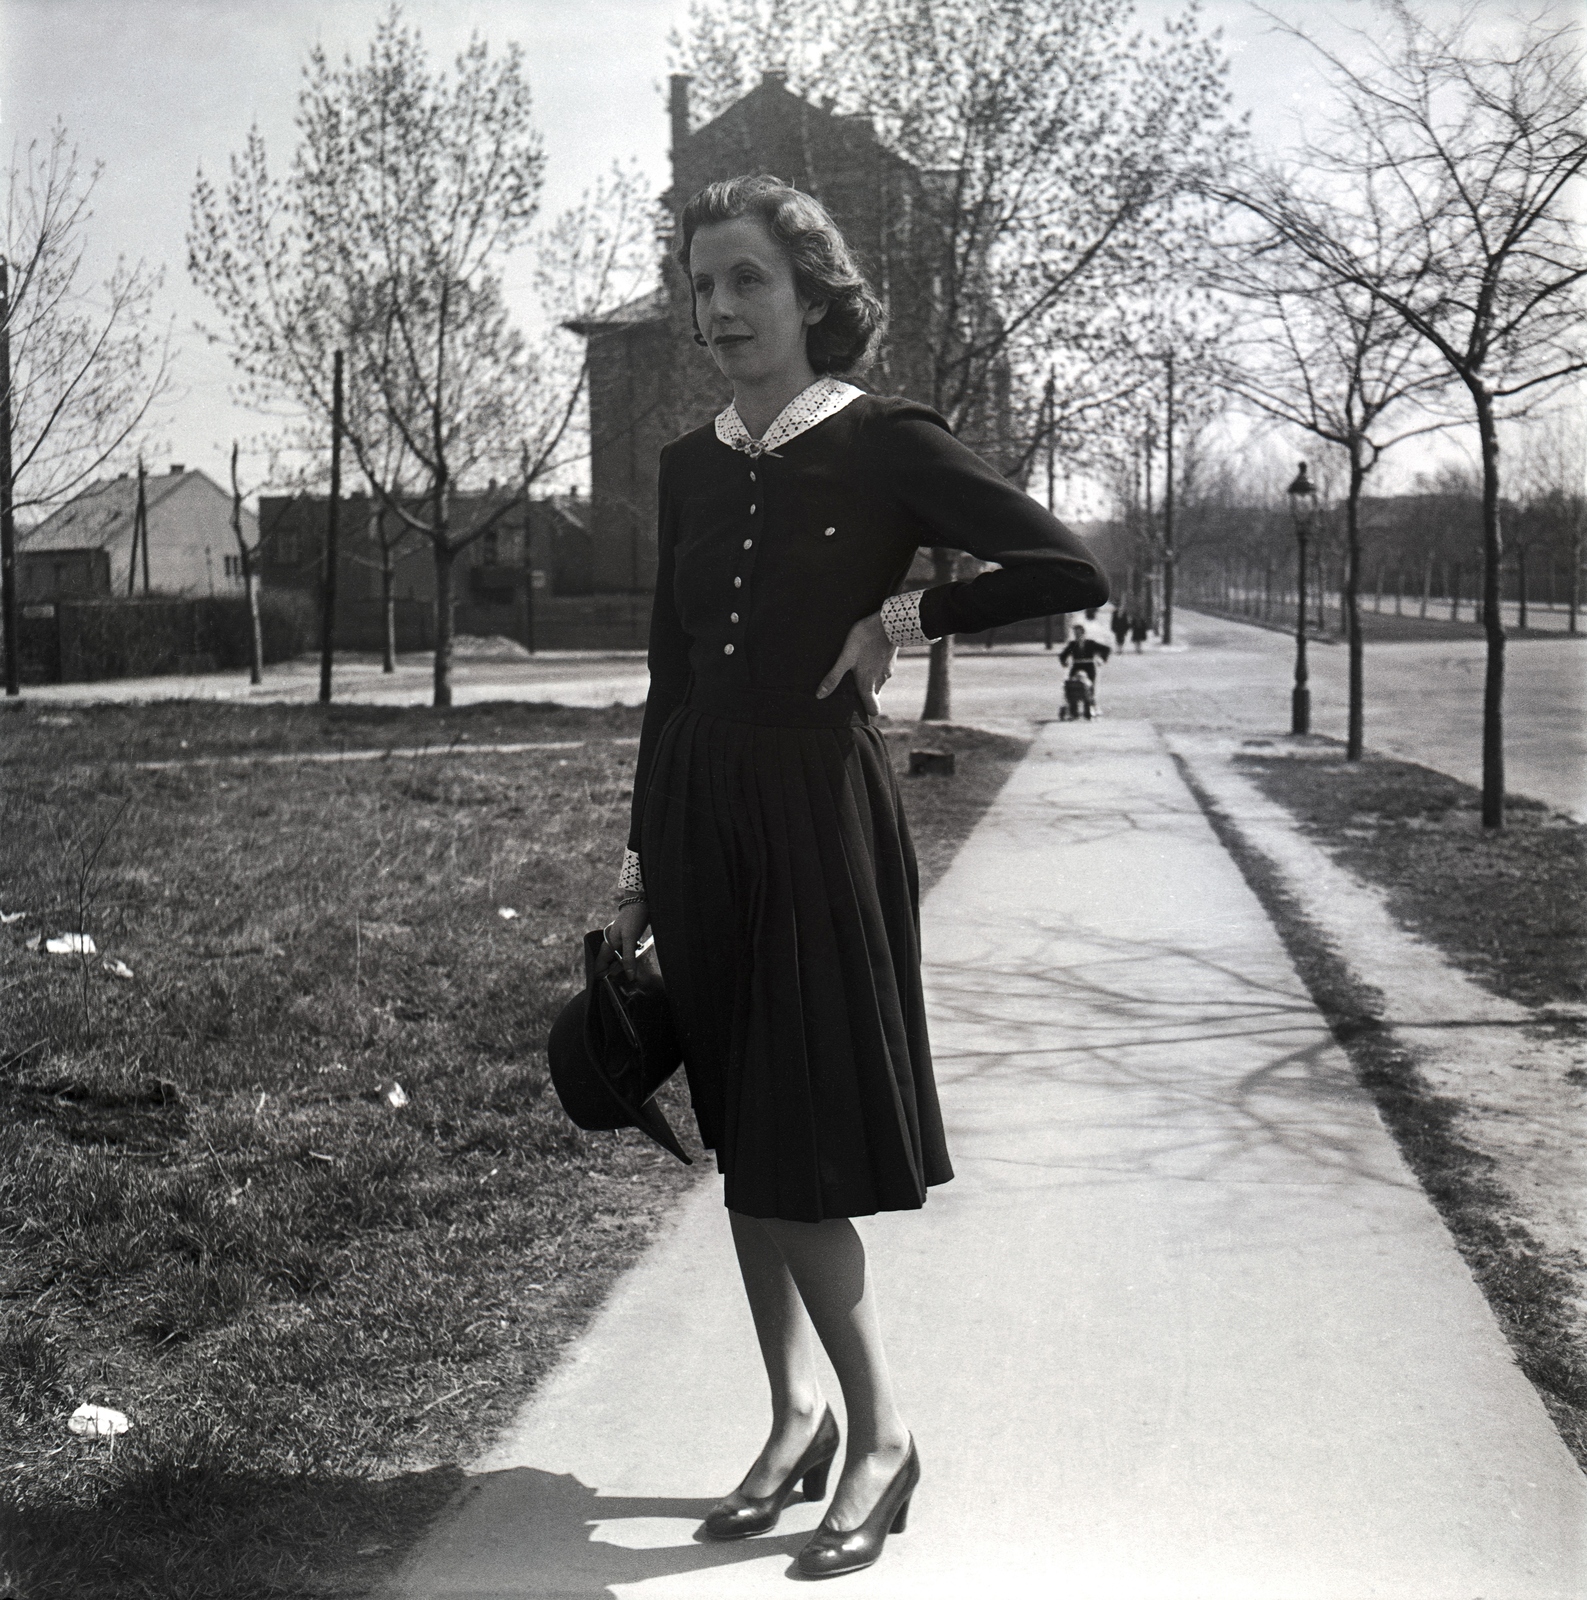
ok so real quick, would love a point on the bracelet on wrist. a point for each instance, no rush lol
(632, 900)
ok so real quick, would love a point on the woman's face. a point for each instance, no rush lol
(745, 302)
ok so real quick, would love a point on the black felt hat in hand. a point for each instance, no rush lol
(612, 1047)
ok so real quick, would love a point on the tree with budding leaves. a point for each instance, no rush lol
(1059, 154)
(1329, 358)
(84, 362)
(1449, 192)
(409, 191)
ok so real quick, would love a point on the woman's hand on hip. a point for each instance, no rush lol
(626, 930)
(869, 654)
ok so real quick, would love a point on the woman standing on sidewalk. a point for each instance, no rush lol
(769, 851)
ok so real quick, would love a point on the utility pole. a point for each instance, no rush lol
(1168, 514)
(1150, 529)
(328, 589)
(1051, 408)
(8, 532)
(137, 533)
(140, 537)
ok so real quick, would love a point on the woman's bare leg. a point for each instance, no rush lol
(787, 1346)
(826, 1261)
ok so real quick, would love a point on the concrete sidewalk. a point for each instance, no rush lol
(1183, 1328)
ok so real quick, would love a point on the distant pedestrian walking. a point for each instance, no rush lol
(1140, 626)
(1120, 624)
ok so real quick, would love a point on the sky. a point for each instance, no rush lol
(156, 89)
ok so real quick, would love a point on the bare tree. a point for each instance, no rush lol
(1056, 152)
(1457, 170)
(392, 539)
(1328, 357)
(84, 362)
(408, 192)
(87, 362)
(247, 556)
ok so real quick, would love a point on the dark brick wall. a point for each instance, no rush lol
(649, 381)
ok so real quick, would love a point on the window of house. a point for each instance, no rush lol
(490, 548)
(234, 568)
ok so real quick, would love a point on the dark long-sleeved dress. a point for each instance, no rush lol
(776, 859)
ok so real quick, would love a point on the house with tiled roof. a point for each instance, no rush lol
(86, 546)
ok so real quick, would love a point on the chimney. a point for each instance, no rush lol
(177, 469)
(679, 107)
(775, 75)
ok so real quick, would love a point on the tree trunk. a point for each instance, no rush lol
(1350, 601)
(939, 674)
(1520, 586)
(256, 656)
(1492, 620)
(445, 556)
(1168, 512)
(1427, 584)
(8, 547)
(1573, 592)
(1454, 593)
(388, 595)
(245, 558)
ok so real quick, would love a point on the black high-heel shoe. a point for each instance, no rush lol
(760, 1515)
(829, 1554)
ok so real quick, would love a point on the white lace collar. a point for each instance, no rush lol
(824, 398)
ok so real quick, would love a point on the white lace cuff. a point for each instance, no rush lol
(901, 618)
(630, 880)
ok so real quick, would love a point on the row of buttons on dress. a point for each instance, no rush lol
(738, 581)
(749, 544)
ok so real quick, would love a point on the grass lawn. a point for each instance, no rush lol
(310, 1301)
(1510, 909)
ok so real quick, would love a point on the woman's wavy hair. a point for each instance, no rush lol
(823, 268)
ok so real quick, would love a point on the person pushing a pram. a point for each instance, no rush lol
(1082, 656)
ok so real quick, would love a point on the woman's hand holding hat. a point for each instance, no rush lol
(625, 930)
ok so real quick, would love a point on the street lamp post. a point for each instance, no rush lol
(1303, 510)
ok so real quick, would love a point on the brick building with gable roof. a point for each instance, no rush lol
(649, 381)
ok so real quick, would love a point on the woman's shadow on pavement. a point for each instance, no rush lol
(525, 1532)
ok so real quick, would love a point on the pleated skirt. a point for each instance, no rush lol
(784, 899)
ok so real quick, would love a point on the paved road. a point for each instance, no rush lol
(1423, 700)
(1183, 1327)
